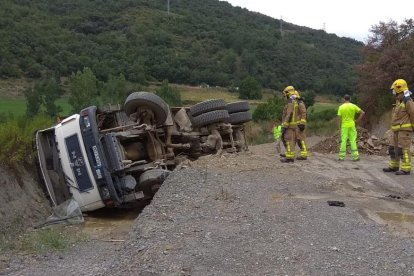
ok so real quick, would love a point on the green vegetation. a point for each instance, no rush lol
(322, 119)
(387, 56)
(250, 89)
(171, 95)
(16, 107)
(43, 240)
(16, 138)
(271, 110)
(200, 41)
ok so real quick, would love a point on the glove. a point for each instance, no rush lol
(301, 127)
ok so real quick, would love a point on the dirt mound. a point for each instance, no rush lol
(22, 203)
(367, 143)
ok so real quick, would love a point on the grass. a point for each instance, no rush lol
(321, 106)
(13, 102)
(57, 238)
(17, 106)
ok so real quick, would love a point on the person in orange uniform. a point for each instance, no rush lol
(402, 123)
(289, 124)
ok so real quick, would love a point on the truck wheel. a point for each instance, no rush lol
(136, 100)
(151, 180)
(207, 106)
(237, 107)
(240, 118)
(215, 116)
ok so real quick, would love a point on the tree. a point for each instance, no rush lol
(271, 110)
(250, 89)
(33, 101)
(82, 89)
(114, 91)
(51, 91)
(388, 55)
(308, 98)
(43, 95)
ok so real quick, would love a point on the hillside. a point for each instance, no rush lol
(199, 41)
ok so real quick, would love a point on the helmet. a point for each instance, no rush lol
(296, 93)
(399, 86)
(289, 90)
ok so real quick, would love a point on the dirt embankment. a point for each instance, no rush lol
(22, 203)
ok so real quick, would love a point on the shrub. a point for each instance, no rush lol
(250, 89)
(270, 110)
(16, 137)
(171, 95)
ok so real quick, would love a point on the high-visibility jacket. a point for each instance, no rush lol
(277, 132)
(346, 112)
(403, 115)
(290, 113)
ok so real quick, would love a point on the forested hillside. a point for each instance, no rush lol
(199, 41)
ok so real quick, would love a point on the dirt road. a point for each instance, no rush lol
(249, 214)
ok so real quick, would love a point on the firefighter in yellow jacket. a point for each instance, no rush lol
(402, 123)
(289, 123)
(300, 129)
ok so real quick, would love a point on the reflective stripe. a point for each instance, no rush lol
(293, 116)
(303, 152)
(398, 127)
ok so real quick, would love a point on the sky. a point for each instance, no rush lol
(348, 18)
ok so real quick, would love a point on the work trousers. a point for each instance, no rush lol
(301, 141)
(348, 133)
(290, 141)
(402, 139)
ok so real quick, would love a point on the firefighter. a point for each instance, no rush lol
(346, 116)
(289, 124)
(402, 123)
(300, 129)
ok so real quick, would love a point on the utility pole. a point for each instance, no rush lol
(281, 26)
(168, 7)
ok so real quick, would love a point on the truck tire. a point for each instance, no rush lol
(237, 107)
(240, 118)
(150, 100)
(208, 118)
(151, 180)
(207, 106)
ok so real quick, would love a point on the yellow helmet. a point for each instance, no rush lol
(289, 90)
(296, 93)
(399, 86)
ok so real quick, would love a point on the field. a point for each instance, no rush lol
(12, 100)
(16, 106)
(321, 106)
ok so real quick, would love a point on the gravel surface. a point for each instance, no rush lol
(249, 214)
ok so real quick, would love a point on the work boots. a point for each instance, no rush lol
(390, 169)
(402, 173)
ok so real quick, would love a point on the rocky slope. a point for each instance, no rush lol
(249, 214)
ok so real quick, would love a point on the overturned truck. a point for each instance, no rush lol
(110, 157)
